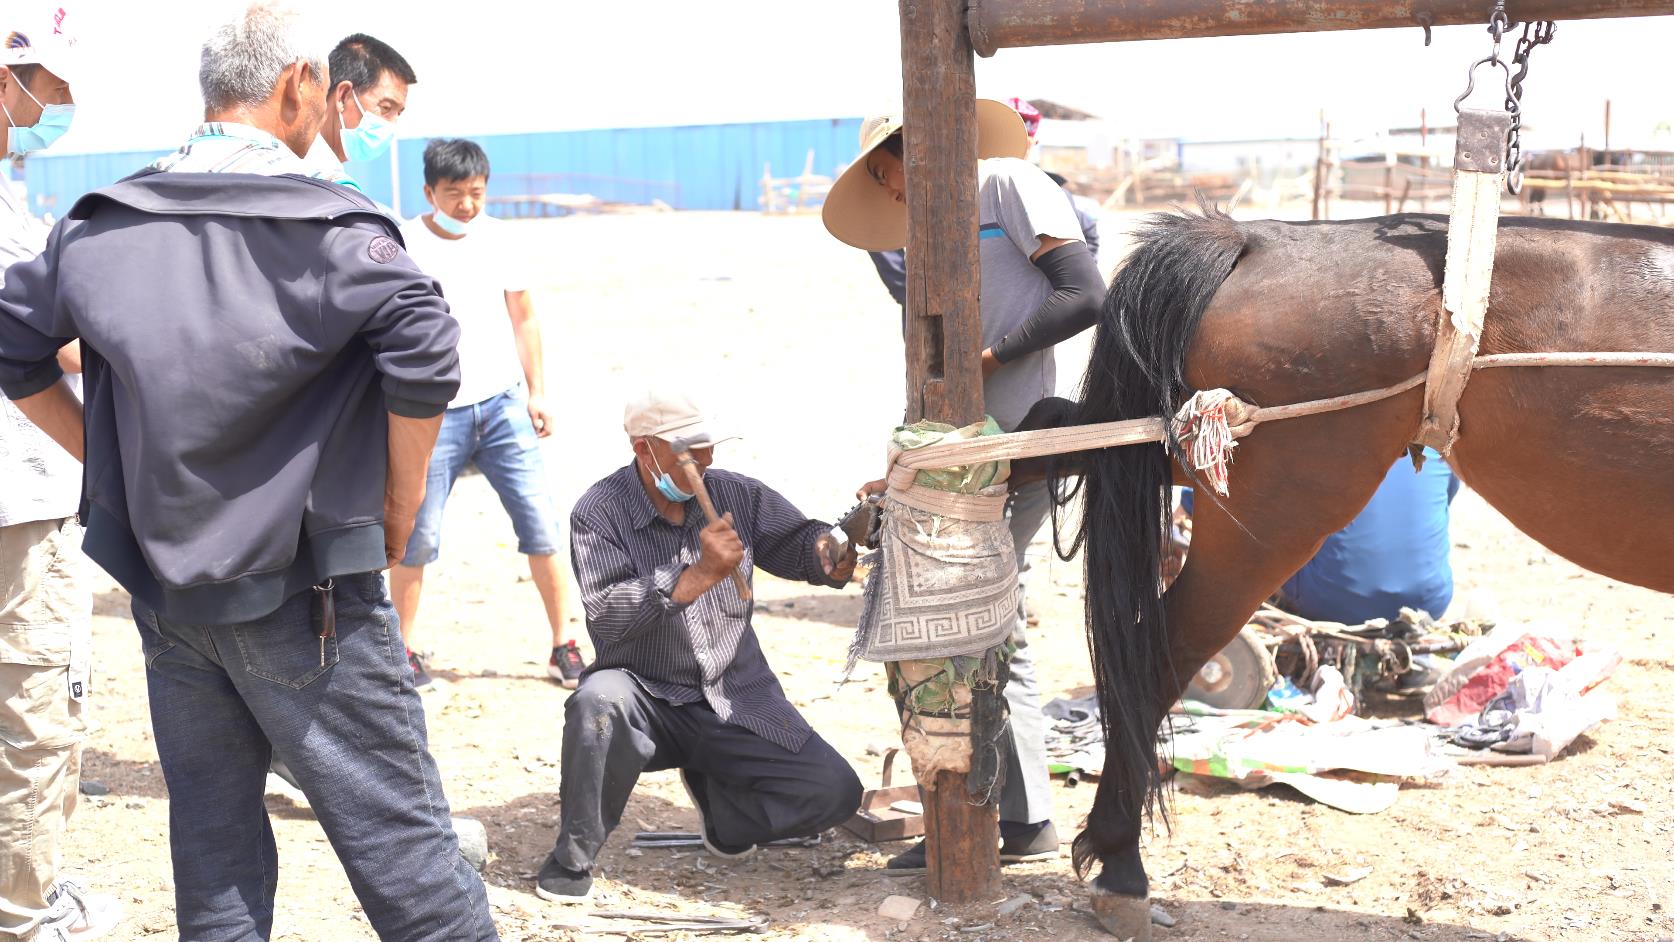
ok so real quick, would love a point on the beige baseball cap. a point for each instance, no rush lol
(670, 415)
(42, 40)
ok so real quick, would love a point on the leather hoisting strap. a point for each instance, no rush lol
(1478, 180)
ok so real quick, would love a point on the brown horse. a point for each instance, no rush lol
(1288, 312)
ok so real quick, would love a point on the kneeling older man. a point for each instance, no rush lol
(680, 680)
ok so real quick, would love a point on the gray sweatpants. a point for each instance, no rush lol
(1026, 797)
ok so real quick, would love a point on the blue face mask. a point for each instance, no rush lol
(666, 486)
(451, 226)
(54, 121)
(370, 139)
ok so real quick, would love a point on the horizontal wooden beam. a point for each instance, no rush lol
(1004, 24)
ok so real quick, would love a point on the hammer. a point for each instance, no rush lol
(694, 480)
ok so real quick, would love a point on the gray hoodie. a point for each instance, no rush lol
(243, 338)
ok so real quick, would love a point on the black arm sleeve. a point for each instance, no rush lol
(1072, 307)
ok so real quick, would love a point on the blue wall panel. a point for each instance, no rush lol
(695, 167)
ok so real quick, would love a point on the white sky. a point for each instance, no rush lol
(499, 67)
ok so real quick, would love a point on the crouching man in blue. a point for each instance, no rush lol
(680, 680)
(265, 373)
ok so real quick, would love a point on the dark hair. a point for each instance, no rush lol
(895, 145)
(361, 60)
(1057, 178)
(453, 158)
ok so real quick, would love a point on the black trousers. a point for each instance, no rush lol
(750, 791)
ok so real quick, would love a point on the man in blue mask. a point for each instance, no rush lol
(680, 681)
(368, 96)
(46, 602)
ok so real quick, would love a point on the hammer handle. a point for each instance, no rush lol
(694, 480)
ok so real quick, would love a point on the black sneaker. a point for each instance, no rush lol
(694, 782)
(566, 665)
(1019, 843)
(909, 860)
(1024, 842)
(419, 663)
(562, 886)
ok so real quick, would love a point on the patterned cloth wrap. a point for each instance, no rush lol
(939, 586)
(940, 606)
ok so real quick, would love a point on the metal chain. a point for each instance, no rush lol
(1537, 33)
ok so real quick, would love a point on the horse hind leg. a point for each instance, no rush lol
(1281, 510)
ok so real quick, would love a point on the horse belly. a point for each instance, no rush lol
(1580, 459)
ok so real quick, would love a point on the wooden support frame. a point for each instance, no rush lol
(943, 340)
(1002, 24)
(939, 42)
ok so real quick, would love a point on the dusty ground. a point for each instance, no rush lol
(801, 344)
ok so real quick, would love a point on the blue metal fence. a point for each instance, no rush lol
(694, 167)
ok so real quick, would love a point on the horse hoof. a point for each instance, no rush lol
(1126, 917)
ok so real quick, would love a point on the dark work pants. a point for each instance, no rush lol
(751, 791)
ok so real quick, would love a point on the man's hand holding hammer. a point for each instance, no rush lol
(720, 551)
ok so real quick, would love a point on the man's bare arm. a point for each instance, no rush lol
(410, 444)
(56, 411)
(527, 330)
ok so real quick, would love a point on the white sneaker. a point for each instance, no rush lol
(74, 915)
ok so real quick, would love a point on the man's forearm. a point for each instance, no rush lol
(527, 331)
(695, 581)
(410, 444)
(56, 411)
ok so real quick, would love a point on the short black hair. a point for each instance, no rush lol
(453, 158)
(895, 145)
(361, 60)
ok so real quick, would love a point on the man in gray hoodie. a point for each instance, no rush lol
(265, 372)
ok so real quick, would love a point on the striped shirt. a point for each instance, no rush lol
(627, 559)
(226, 147)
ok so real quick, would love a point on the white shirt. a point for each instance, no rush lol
(38, 479)
(475, 273)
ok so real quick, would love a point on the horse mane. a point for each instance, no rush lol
(1137, 369)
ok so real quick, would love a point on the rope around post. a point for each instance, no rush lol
(1242, 417)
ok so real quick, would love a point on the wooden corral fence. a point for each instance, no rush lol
(793, 194)
(939, 42)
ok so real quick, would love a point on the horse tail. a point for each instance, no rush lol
(1137, 369)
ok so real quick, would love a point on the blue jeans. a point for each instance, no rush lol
(225, 698)
(499, 436)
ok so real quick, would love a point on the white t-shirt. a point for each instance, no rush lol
(38, 479)
(475, 273)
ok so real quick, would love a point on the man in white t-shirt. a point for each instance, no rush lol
(500, 411)
(46, 600)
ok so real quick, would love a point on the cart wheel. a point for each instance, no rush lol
(1237, 678)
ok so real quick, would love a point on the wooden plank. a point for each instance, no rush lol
(1002, 24)
(943, 340)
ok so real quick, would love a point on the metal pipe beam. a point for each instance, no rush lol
(1003, 24)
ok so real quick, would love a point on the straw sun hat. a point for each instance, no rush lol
(863, 214)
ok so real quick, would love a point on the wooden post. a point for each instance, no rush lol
(943, 340)
(1607, 129)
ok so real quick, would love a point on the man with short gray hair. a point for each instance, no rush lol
(249, 503)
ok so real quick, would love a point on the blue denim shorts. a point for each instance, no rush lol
(498, 435)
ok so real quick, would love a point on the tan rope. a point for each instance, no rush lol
(1241, 416)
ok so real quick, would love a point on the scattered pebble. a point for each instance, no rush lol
(94, 789)
(1014, 904)
(902, 908)
(1160, 917)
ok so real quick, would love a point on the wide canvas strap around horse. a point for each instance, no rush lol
(1478, 180)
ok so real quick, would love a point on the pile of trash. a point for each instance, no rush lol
(1510, 695)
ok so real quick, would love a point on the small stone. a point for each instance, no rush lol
(473, 842)
(901, 908)
(94, 789)
(1014, 904)
(1228, 905)
(1160, 917)
(490, 672)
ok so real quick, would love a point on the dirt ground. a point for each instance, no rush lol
(792, 334)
